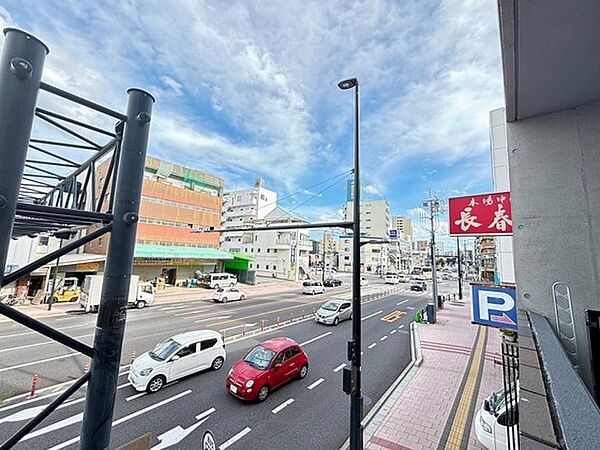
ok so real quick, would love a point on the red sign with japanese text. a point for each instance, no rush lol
(480, 215)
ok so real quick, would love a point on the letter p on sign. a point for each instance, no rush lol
(494, 306)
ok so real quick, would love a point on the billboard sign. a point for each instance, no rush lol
(480, 215)
(393, 233)
(494, 306)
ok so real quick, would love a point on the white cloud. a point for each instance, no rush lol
(372, 190)
(175, 86)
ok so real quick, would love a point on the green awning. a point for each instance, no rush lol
(244, 257)
(160, 251)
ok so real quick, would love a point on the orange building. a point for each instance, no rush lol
(176, 200)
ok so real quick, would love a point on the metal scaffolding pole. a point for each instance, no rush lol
(112, 315)
(21, 67)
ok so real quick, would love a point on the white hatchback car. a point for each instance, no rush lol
(313, 287)
(177, 357)
(228, 294)
(333, 312)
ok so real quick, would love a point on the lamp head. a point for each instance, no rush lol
(348, 84)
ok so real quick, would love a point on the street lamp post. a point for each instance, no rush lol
(354, 346)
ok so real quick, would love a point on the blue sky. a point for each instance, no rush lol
(248, 88)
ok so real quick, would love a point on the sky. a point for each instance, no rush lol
(247, 89)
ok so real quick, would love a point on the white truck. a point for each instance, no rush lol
(140, 294)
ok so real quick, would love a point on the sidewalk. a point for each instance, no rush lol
(435, 404)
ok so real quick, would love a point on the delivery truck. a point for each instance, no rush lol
(140, 294)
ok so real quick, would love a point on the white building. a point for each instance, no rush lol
(243, 207)
(404, 227)
(501, 179)
(279, 254)
(374, 217)
(374, 258)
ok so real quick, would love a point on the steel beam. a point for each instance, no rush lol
(287, 226)
(21, 66)
(74, 122)
(112, 314)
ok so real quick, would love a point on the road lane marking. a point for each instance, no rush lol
(233, 440)
(175, 435)
(383, 338)
(404, 331)
(41, 343)
(187, 313)
(340, 367)
(169, 308)
(393, 316)
(315, 338)
(133, 397)
(211, 318)
(371, 315)
(240, 326)
(35, 332)
(411, 308)
(372, 345)
(315, 384)
(401, 303)
(65, 318)
(18, 366)
(119, 421)
(208, 412)
(392, 332)
(400, 327)
(283, 405)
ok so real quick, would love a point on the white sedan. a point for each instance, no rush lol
(228, 294)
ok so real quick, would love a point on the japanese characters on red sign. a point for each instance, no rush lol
(480, 215)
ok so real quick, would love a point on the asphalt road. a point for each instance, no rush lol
(312, 413)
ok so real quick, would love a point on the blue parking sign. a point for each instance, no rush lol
(494, 306)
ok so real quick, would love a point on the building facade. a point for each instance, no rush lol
(404, 227)
(242, 207)
(374, 218)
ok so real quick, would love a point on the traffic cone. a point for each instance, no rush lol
(278, 321)
(302, 314)
(132, 357)
(262, 325)
(291, 317)
(34, 382)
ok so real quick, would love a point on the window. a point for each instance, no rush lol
(207, 344)
(279, 359)
(186, 351)
(274, 268)
(258, 250)
(100, 242)
(346, 257)
(43, 240)
(268, 250)
(258, 266)
(267, 268)
(291, 352)
(274, 250)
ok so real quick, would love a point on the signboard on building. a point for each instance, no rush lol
(480, 215)
(393, 233)
(494, 306)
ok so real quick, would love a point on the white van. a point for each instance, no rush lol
(391, 278)
(492, 422)
(219, 280)
(313, 287)
(177, 357)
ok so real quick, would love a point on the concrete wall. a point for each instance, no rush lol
(554, 167)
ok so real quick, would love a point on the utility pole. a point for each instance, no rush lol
(323, 260)
(460, 293)
(434, 205)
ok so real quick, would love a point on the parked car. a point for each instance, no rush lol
(266, 367)
(313, 287)
(391, 278)
(225, 295)
(333, 312)
(218, 280)
(332, 282)
(403, 278)
(177, 357)
(364, 281)
(418, 285)
(493, 420)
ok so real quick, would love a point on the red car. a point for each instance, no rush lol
(266, 367)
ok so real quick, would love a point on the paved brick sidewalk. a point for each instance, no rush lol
(418, 414)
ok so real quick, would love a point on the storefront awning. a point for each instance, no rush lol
(160, 251)
(244, 257)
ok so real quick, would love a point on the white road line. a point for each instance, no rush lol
(133, 397)
(35, 332)
(340, 367)
(383, 338)
(401, 303)
(371, 315)
(392, 332)
(315, 339)
(187, 313)
(55, 426)
(410, 308)
(239, 326)
(205, 413)
(231, 441)
(39, 361)
(315, 384)
(40, 343)
(65, 318)
(283, 405)
(372, 345)
(168, 308)
(116, 422)
(212, 318)
(400, 327)
(404, 331)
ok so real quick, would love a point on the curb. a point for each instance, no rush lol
(368, 423)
